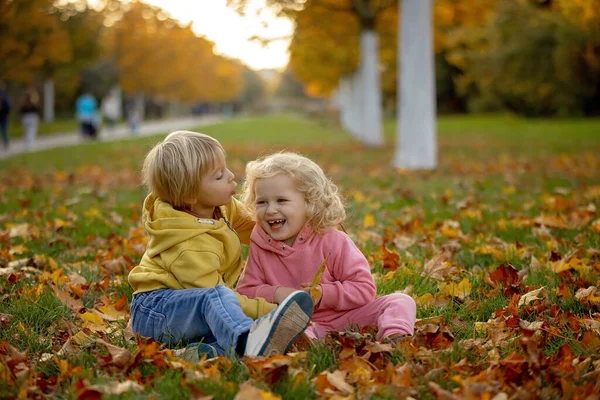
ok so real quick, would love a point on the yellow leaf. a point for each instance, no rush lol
(509, 189)
(92, 212)
(53, 264)
(18, 249)
(59, 223)
(110, 313)
(55, 276)
(91, 317)
(425, 300)
(18, 230)
(63, 366)
(481, 327)
(487, 249)
(369, 220)
(315, 291)
(358, 197)
(269, 396)
(460, 290)
(589, 296)
(82, 339)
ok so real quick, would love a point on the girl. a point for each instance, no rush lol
(297, 210)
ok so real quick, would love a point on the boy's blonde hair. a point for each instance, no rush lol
(323, 202)
(174, 168)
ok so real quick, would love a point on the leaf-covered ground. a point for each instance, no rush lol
(500, 248)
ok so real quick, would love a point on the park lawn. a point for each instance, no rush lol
(500, 248)
(60, 125)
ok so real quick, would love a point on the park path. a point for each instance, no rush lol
(119, 132)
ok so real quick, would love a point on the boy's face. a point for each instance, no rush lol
(216, 189)
(280, 208)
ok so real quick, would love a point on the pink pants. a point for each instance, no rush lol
(394, 314)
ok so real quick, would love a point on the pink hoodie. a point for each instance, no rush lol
(347, 281)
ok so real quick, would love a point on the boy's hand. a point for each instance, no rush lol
(281, 293)
(315, 292)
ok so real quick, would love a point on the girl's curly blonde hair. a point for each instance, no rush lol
(324, 204)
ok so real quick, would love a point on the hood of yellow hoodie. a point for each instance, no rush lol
(168, 227)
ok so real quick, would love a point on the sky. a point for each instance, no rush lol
(231, 32)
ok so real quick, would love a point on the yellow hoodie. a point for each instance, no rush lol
(187, 252)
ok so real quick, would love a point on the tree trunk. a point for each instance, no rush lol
(48, 100)
(344, 101)
(356, 104)
(416, 146)
(371, 131)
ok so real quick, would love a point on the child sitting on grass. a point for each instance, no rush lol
(182, 285)
(297, 209)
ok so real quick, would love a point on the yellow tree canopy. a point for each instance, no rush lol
(325, 44)
(157, 56)
(32, 39)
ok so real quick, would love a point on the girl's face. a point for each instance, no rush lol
(280, 208)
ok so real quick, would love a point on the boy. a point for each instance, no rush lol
(182, 286)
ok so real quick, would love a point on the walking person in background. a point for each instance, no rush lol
(4, 113)
(30, 110)
(111, 108)
(86, 110)
(135, 110)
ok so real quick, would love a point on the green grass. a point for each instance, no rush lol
(60, 125)
(496, 175)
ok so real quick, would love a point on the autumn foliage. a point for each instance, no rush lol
(498, 247)
(533, 57)
(130, 43)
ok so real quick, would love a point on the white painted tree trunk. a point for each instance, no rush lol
(371, 127)
(345, 102)
(416, 145)
(48, 100)
(356, 98)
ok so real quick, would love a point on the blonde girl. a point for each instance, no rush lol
(297, 210)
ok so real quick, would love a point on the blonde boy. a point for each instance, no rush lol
(183, 283)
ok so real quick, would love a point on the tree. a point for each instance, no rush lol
(32, 37)
(157, 56)
(85, 30)
(367, 85)
(529, 57)
(416, 146)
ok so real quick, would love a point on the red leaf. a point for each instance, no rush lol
(505, 275)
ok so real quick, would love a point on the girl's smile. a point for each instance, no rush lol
(280, 208)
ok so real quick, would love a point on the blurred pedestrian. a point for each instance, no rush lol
(111, 108)
(86, 109)
(4, 113)
(135, 111)
(30, 110)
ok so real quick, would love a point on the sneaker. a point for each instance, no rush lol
(275, 332)
(194, 352)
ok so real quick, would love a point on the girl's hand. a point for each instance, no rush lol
(281, 293)
(316, 294)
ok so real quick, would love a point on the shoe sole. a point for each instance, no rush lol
(290, 324)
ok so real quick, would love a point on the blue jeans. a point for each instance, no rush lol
(179, 317)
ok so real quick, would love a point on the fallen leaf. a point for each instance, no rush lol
(438, 267)
(459, 290)
(534, 295)
(369, 220)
